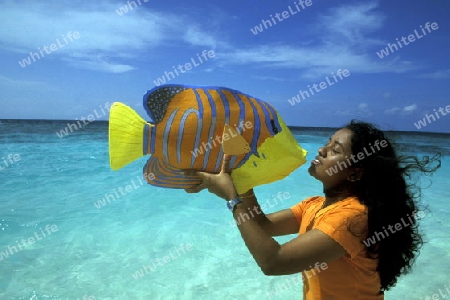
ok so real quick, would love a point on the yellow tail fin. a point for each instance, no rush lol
(126, 135)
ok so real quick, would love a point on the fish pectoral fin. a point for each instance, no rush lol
(233, 143)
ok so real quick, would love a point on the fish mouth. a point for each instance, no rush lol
(258, 169)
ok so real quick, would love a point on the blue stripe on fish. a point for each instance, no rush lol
(152, 139)
(241, 118)
(218, 165)
(175, 178)
(257, 130)
(213, 128)
(179, 141)
(241, 109)
(226, 104)
(166, 133)
(200, 105)
(197, 135)
(256, 134)
(199, 101)
(145, 144)
(267, 118)
(275, 116)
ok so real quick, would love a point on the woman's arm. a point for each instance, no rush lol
(299, 254)
(275, 224)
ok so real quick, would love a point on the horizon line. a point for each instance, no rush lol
(289, 126)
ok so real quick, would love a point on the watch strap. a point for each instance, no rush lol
(233, 202)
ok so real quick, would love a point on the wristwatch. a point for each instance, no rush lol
(233, 202)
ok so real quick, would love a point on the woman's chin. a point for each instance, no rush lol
(312, 171)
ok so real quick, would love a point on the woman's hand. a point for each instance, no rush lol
(219, 184)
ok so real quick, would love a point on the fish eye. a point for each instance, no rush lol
(274, 128)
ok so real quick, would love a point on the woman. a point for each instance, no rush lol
(355, 241)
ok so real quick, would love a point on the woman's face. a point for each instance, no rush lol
(333, 164)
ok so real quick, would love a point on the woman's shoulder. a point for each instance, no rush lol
(346, 210)
(314, 199)
(352, 203)
(311, 201)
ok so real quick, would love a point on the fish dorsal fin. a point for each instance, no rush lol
(233, 143)
(157, 99)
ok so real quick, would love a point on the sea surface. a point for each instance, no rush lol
(60, 238)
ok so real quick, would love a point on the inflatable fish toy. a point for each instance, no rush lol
(192, 127)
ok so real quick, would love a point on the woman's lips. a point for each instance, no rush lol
(316, 162)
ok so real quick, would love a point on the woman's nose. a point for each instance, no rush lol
(321, 151)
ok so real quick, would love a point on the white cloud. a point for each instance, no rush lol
(32, 25)
(441, 74)
(315, 62)
(273, 78)
(363, 109)
(391, 111)
(363, 106)
(195, 36)
(339, 42)
(352, 23)
(100, 65)
(343, 112)
(24, 84)
(409, 109)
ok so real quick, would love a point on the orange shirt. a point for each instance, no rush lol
(352, 276)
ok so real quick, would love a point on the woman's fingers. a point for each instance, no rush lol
(202, 175)
(195, 173)
(197, 188)
(190, 172)
(218, 184)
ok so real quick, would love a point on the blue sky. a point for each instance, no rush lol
(119, 57)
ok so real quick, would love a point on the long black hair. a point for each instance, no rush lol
(387, 189)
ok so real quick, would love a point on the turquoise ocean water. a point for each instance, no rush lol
(74, 246)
